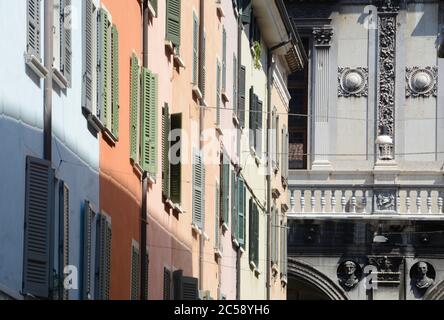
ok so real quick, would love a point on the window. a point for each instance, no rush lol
(195, 49)
(62, 43)
(173, 27)
(198, 189)
(101, 70)
(274, 234)
(242, 91)
(254, 233)
(275, 143)
(255, 122)
(103, 257)
(218, 92)
(284, 263)
(166, 284)
(143, 106)
(284, 154)
(135, 271)
(88, 218)
(63, 236)
(185, 288)
(225, 188)
(224, 60)
(37, 271)
(234, 204)
(33, 56)
(235, 80)
(217, 217)
(241, 212)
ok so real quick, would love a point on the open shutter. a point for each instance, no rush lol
(234, 212)
(218, 92)
(66, 39)
(185, 288)
(235, 66)
(88, 55)
(285, 249)
(256, 234)
(259, 117)
(64, 233)
(104, 68)
(242, 89)
(37, 271)
(115, 80)
(176, 166)
(88, 216)
(241, 211)
(252, 118)
(165, 151)
(251, 242)
(217, 216)
(224, 60)
(103, 258)
(134, 107)
(173, 21)
(166, 284)
(198, 189)
(149, 122)
(33, 28)
(135, 272)
(195, 49)
(273, 235)
(246, 11)
(203, 70)
(225, 185)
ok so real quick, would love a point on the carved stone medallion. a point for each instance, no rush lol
(349, 274)
(353, 82)
(385, 201)
(422, 277)
(421, 82)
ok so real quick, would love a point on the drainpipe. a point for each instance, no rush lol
(270, 70)
(143, 213)
(201, 128)
(47, 95)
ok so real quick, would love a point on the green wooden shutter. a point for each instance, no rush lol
(166, 284)
(103, 257)
(64, 234)
(198, 189)
(134, 107)
(149, 122)
(165, 151)
(154, 5)
(37, 271)
(88, 55)
(224, 60)
(66, 25)
(185, 288)
(33, 28)
(251, 242)
(241, 212)
(218, 92)
(115, 80)
(135, 272)
(217, 217)
(256, 234)
(252, 118)
(259, 117)
(203, 70)
(195, 49)
(176, 167)
(88, 216)
(273, 235)
(225, 185)
(235, 66)
(246, 11)
(173, 21)
(104, 68)
(242, 90)
(234, 212)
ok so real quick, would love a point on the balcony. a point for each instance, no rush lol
(366, 202)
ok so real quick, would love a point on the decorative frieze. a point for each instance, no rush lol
(353, 82)
(385, 201)
(388, 272)
(421, 82)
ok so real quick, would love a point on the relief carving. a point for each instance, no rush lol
(353, 82)
(421, 82)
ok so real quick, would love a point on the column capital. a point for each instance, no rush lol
(323, 36)
(387, 6)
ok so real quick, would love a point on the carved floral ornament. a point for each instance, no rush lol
(322, 36)
(421, 82)
(353, 82)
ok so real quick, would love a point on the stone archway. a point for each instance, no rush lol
(436, 292)
(321, 286)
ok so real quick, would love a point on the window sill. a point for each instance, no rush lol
(196, 92)
(179, 61)
(284, 281)
(284, 208)
(224, 227)
(169, 203)
(109, 137)
(220, 10)
(284, 182)
(218, 253)
(236, 243)
(137, 168)
(151, 10)
(224, 97)
(235, 120)
(178, 208)
(203, 103)
(59, 78)
(195, 228)
(275, 193)
(35, 64)
(169, 46)
(95, 122)
(219, 130)
(242, 250)
(275, 269)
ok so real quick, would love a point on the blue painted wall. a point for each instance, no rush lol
(75, 148)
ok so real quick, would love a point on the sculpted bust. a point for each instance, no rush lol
(423, 281)
(349, 278)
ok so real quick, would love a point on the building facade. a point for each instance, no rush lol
(365, 152)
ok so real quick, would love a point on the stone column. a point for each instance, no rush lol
(321, 142)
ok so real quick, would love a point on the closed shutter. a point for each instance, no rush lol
(259, 128)
(88, 216)
(103, 258)
(165, 152)
(246, 11)
(88, 55)
(224, 60)
(234, 212)
(235, 66)
(218, 92)
(217, 217)
(203, 70)
(65, 31)
(173, 21)
(286, 155)
(104, 68)
(285, 249)
(251, 243)
(198, 189)
(254, 233)
(33, 28)
(242, 89)
(241, 212)
(195, 49)
(134, 107)
(134, 272)
(38, 212)
(166, 284)
(225, 185)
(185, 288)
(252, 118)
(176, 165)
(115, 80)
(274, 236)
(64, 233)
(149, 122)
